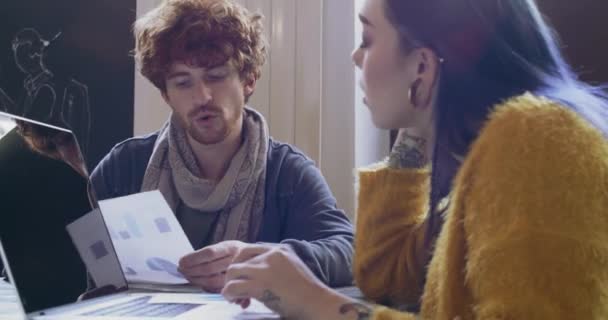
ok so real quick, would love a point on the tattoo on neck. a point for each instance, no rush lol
(271, 300)
(362, 311)
(408, 153)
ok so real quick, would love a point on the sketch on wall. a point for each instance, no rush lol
(6, 104)
(41, 92)
(65, 65)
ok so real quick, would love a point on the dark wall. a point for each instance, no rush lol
(67, 62)
(583, 29)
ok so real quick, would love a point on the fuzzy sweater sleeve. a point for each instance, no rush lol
(389, 261)
(534, 209)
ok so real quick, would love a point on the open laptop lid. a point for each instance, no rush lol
(43, 188)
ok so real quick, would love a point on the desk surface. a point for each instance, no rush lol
(10, 310)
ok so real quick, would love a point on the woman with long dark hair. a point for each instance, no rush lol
(493, 203)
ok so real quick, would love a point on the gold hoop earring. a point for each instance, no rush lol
(413, 93)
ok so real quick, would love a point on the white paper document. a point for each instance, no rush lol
(148, 239)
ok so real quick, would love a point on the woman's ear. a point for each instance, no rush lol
(427, 73)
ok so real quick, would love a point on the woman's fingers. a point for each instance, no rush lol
(238, 290)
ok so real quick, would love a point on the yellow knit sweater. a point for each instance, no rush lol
(525, 235)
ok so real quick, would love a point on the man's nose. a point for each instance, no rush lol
(203, 94)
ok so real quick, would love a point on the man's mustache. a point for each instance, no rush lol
(208, 109)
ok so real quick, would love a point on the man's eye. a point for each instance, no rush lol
(183, 84)
(216, 76)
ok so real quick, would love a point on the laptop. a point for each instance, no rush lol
(44, 187)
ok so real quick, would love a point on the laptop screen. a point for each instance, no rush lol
(43, 188)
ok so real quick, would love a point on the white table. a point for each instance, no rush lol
(9, 304)
(10, 310)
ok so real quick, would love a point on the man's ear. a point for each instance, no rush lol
(249, 85)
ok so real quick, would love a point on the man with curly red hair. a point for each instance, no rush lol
(229, 183)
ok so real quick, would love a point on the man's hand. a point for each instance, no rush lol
(206, 268)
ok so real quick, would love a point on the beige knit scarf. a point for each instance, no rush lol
(239, 196)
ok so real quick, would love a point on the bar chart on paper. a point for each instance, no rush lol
(147, 237)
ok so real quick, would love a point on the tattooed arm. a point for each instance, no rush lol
(327, 305)
(342, 308)
(360, 310)
(347, 309)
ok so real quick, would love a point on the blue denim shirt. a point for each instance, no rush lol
(300, 209)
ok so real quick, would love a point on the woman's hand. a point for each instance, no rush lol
(278, 278)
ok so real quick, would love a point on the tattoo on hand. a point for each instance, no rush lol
(362, 311)
(408, 153)
(271, 300)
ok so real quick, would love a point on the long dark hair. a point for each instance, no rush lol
(492, 50)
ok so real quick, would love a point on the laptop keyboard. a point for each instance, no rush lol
(141, 308)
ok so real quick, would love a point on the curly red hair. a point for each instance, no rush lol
(202, 33)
